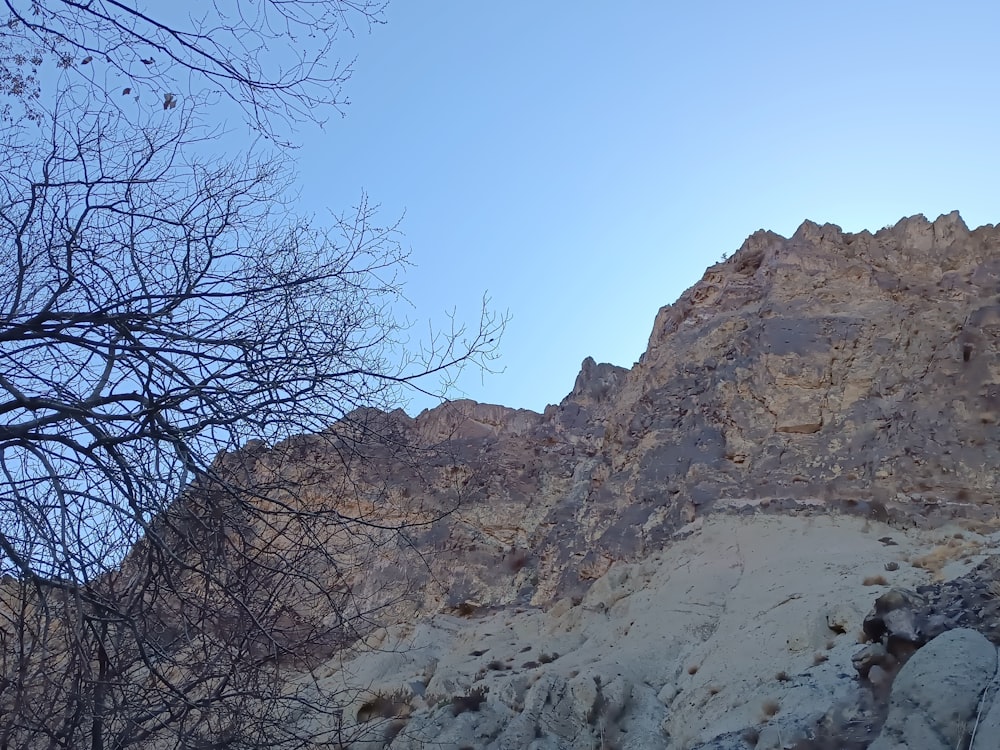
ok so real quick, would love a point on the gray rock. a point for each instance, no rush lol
(986, 728)
(936, 694)
(874, 654)
(521, 732)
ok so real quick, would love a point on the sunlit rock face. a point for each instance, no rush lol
(680, 554)
(857, 372)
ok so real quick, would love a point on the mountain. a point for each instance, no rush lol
(835, 392)
(776, 530)
(855, 373)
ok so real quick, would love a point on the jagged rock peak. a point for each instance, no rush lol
(596, 382)
(823, 259)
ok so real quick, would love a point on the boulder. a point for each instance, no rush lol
(936, 695)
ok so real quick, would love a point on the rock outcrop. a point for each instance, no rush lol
(851, 372)
(743, 635)
(936, 695)
(818, 376)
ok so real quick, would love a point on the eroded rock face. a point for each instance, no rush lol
(850, 371)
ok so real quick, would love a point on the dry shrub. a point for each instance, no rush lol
(782, 676)
(382, 707)
(471, 702)
(935, 560)
(878, 580)
(770, 708)
(819, 657)
(692, 669)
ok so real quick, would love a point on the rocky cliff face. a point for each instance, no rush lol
(849, 371)
(663, 558)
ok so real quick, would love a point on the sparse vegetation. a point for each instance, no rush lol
(382, 706)
(770, 707)
(954, 549)
(471, 702)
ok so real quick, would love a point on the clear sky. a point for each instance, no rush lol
(584, 162)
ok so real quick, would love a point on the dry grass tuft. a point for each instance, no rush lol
(770, 708)
(819, 657)
(382, 706)
(692, 669)
(878, 580)
(954, 549)
(471, 702)
(782, 676)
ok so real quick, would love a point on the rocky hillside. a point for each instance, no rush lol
(846, 384)
(847, 371)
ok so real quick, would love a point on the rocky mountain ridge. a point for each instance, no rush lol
(822, 376)
(828, 370)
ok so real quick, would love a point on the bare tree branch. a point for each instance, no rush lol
(274, 59)
(170, 331)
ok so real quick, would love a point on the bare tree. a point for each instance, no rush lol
(162, 579)
(275, 59)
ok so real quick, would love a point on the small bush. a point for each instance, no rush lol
(381, 707)
(471, 702)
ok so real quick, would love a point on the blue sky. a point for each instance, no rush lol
(584, 162)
